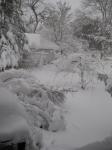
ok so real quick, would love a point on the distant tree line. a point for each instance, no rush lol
(94, 24)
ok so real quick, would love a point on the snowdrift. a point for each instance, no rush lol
(12, 118)
(42, 105)
(104, 145)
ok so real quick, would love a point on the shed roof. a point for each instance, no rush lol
(36, 41)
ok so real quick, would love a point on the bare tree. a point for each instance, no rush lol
(102, 6)
(58, 18)
(34, 6)
(64, 11)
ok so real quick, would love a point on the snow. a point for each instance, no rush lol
(15, 129)
(88, 119)
(9, 57)
(84, 118)
(11, 102)
(87, 113)
(13, 118)
(56, 80)
(36, 41)
(41, 106)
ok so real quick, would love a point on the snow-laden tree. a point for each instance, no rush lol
(33, 14)
(93, 29)
(12, 38)
(101, 8)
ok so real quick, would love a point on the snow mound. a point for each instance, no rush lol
(39, 102)
(104, 145)
(13, 118)
(11, 102)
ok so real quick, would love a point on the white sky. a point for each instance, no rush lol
(74, 3)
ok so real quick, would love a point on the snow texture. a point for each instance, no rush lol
(36, 41)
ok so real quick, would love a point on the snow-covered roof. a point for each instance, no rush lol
(36, 41)
(13, 124)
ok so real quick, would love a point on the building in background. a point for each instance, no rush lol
(42, 51)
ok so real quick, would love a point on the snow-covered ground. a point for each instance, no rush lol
(63, 80)
(88, 119)
(87, 113)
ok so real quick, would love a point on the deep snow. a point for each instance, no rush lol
(87, 113)
(13, 124)
(88, 119)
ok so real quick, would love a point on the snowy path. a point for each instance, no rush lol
(88, 116)
(55, 79)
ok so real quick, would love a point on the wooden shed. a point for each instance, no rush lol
(42, 50)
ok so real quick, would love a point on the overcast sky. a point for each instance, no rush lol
(74, 3)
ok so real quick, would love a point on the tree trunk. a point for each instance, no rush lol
(36, 19)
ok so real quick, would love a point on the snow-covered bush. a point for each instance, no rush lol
(40, 102)
(8, 58)
(12, 38)
(79, 65)
(70, 45)
(100, 43)
(14, 122)
(10, 53)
